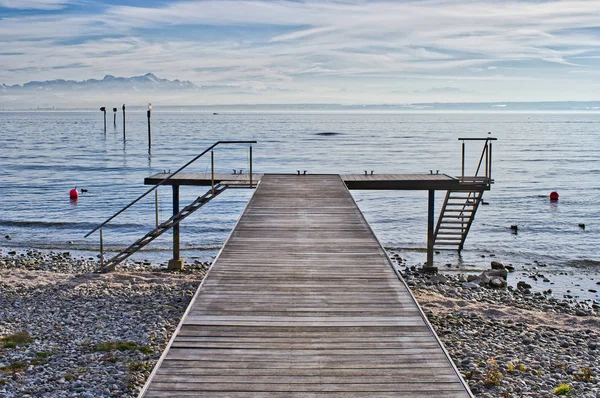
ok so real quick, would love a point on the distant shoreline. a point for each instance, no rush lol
(494, 107)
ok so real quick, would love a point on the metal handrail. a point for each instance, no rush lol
(165, 180)
(485, 153)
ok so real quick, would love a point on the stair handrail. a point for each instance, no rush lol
(167, 179)
(486, 154)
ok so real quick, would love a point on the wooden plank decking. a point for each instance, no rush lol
(353, 181)
(302, 301)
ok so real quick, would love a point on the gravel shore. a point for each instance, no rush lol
(85, 334)
(511, 342)
(67, 332)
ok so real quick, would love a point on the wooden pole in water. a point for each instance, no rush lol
(251, 166)
(149, 132)
(123, 122)
(430, 216)
(115, 117)
(103, 109)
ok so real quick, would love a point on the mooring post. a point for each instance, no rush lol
(115, 117)
(123, 122)
(429, 268)
(176, 263)
(250, 165)
(149, 133)
(103, 109)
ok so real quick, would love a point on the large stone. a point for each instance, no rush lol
(523, 285)
(471, 285)
(484, 277)
(497, 283)
(502, 273)
(438, 279)
(497, 265)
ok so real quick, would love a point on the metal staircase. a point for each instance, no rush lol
(460, 205)
(456, 217)
(162, 228)
(215, 190)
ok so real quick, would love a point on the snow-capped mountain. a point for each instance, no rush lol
(147, 82)
(98, 92)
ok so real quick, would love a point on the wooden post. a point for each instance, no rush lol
(115, 117)
(123, 122)
(149, 132)
(251, 166)
(103, 109)
(212, 172)
(101, 250)
(176, 263)
(429, 268)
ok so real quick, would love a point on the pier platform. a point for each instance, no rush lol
(441, 182)
(302, 301)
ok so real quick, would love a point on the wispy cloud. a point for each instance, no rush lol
(375, 48)
(34, 4)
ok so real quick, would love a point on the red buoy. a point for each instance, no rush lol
(554, 196)
(73, 194)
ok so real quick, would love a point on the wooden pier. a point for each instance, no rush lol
(302, 301)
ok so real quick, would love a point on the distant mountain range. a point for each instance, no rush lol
(147, 82)
(139, 90)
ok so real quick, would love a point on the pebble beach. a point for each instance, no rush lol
(66, 331)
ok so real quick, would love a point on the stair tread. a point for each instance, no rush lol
(140, 243)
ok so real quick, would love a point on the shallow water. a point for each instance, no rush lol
(45, 154)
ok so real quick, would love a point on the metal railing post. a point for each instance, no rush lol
(101, 250)
(169, 177)
(463, 161)
(490, 162)
(487, 160)
(156, 206)
(212, 172)
(250, 166)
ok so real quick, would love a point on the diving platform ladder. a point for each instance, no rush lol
(456, 217)
(111, 264)
(178, 216)
(460, 205)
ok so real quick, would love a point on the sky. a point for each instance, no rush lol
(347, 52)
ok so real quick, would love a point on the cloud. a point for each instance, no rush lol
(34, 4)
(309, 46)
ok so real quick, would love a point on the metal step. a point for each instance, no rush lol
(456, 217)
(111, 264)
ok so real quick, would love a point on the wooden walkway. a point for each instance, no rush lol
(302, 301)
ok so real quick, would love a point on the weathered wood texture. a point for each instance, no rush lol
(303, 302)
(353, 181)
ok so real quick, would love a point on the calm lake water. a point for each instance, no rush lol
(45, 154)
